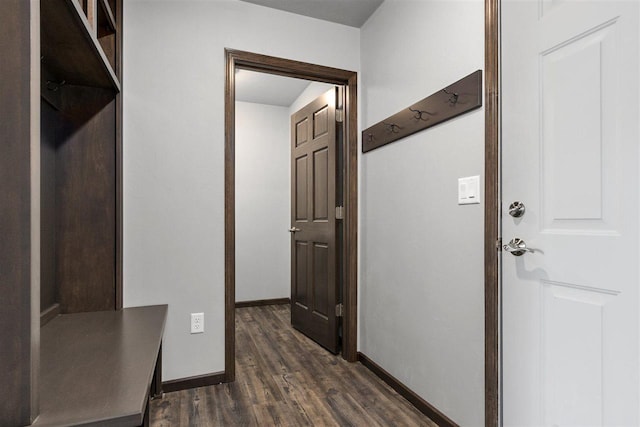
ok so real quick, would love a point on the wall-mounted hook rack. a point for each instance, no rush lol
(456, 99)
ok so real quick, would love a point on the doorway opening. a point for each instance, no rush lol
(347, 244)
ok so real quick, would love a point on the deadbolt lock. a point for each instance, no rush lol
(516, 209)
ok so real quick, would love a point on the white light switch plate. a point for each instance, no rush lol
(469, 190)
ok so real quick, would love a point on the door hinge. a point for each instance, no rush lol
(339, 212)
(339, 310)
(499, 245)
(339, 115)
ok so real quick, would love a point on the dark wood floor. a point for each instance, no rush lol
(285, 379)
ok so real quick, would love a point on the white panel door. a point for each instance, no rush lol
(570, 137)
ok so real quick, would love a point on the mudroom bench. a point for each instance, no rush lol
(102, 367)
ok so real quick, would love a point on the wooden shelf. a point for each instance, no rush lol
(70, 50)
(106, 21)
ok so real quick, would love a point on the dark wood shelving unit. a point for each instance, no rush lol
(70, 50)
(80, 141)
(62, 174)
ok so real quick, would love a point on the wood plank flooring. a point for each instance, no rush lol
(285, 379)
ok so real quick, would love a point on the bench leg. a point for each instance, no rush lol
(156, 387)
(145, 420)
(156, 383)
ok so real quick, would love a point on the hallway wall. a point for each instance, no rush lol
(314, 90)
(174, 152)
(422, 297)
(421, 268)
(263, 245)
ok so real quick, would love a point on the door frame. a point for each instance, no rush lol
(492, 243)
(236, 59)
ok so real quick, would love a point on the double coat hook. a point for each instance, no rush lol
(453, 99)
(54, 86)
(392, 127)
(419, 114)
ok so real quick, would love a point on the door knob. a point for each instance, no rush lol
(516, 209)
(516, 247)
(294, 230)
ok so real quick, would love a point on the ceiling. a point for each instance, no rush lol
(270, 89)
(348, 12)
(262, 88)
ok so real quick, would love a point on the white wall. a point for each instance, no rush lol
(422, 300)
(174, 152)
(263, 245)
(314, 90)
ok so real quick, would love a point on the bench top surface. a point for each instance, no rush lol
(96, 368)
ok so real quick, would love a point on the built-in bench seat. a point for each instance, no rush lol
(100, 368)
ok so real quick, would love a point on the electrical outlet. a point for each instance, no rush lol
(197, 323)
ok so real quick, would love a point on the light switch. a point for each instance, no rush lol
(469, 190)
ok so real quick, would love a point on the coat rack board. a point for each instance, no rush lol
(458, 98)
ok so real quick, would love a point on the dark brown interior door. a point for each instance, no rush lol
(314, 285)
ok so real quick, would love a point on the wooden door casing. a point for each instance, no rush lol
(234, 60)
(314, 285)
